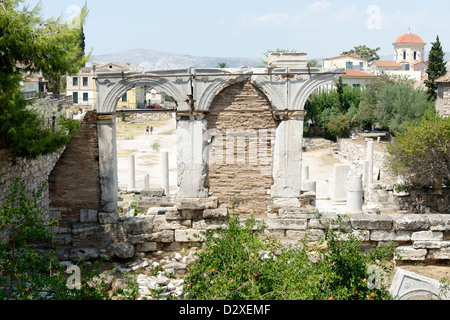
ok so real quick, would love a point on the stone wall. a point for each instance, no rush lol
(443, 100)
(310, 144)
(34, 173)
(181, 223)
(240, 164)
(386, 199)
(354, 154)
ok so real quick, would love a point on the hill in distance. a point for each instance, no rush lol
(160, 60)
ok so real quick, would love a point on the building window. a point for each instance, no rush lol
(404, 55)
(75, 81)
(85, 81)
(75, 97)
(85, 96)
(356, 85)
(125, 97)
(349, 66)
(415, 55)
(361, 65)
(405, 67)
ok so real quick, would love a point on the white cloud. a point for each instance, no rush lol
(319, 6)
(347, 14)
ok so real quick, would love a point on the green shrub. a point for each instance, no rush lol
(237, 263)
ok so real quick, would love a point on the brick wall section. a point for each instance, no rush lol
(247, 183)
(74, 182)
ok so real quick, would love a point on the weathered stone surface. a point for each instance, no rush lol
(431, 244)
(286, 203)
(196, 203)
(410, 222)
(207, 224)
(371, 222)
(219, 213)
(287, 224)
(147, 246)
(108, 217)
(439, 254)
(409, 253)
(427, 236)
(138, 225)
(85, 228)
(160, 223)
(329, 220)
(299, 213)
(390, 235)
(88, 215)
(439, 222)
(122, 250)
(165, 236)
(189, 235)
(84, 253)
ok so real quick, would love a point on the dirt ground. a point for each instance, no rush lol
(131, 138)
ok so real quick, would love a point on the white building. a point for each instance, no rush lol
(409, 55)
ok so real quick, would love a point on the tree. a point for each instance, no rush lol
(365, 52)
(314, 63)
(436, 69)
(365, 116)
(268, 52)
(399, 104)
(421, 151)
(29, 44)
(222, 65)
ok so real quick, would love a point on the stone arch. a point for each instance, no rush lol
(239, 166)
(302, 96)
(110, 87)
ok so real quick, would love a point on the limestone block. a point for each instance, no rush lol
(439, 254)
(147, 246)
(165, 236)
(409, 253)
(196, 203)
(88, 215)
(287, 224)
(390, 235)
(122, 250)
(439, 222)
(84, 253)
(371, 222)
(431, 244)
(427, 236)
(108, 217)
(160, 211)
(160, 223)
(138, 225)
(410, 222)
(300, 213)
(189, 235)
(219, 214)
(286, 203)
(329, 220)
(202, 224)
(84, 229)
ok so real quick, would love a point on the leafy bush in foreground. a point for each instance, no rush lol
(237, 263)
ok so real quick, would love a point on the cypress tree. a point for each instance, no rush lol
(436, 69)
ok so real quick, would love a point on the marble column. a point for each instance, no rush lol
(191, 155)
(109, 188)
(287, 157)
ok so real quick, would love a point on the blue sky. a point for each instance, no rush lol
(233, 28)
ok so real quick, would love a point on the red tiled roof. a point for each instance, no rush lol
(409, 38)
(390, 64)
(357, 73)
